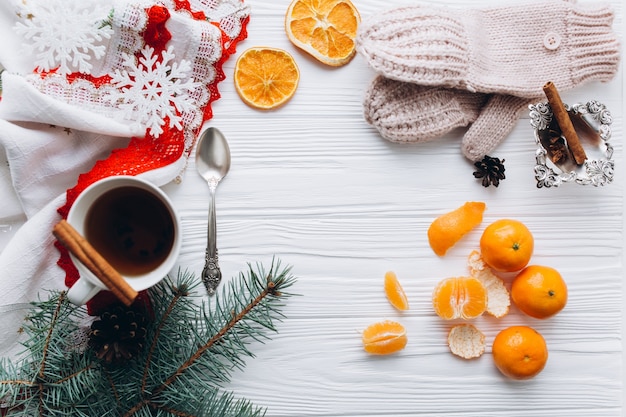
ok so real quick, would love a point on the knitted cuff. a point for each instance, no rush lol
(405, 112)
(594, 51)
(497, 118)
(510, 50)
(416, 44)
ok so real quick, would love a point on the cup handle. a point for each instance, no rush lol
(82, 291)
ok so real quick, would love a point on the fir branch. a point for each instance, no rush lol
(192, 348)
(247, 298)
(179, 291)
(75, 374)
(52, 378)
(55, 317)
(270, 289)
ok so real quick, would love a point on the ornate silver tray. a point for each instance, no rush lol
(555, 165)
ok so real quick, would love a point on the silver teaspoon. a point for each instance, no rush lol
(213, 163)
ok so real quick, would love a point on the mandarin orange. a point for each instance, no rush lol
(539, 291)
(519, 352)
(506, 245)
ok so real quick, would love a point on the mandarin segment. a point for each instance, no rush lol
(446, 230)
(394, 292)
(466, 341)
(498, 297)
(459, 297)
(384, 338)
(266, 78)
(506, 245)
(325, 29)
(519, 352)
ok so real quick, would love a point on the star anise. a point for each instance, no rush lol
(491, 170)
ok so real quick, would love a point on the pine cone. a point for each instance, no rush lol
(491, 170)
(118, 335)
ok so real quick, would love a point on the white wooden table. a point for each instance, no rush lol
(314, 185)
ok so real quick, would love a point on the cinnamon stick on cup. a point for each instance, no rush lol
(90, 257)
(565, 123)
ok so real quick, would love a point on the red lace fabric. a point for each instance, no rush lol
(143, 153)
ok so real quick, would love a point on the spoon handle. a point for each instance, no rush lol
(211, 274)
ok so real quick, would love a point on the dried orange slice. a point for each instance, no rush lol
(384, 338)
(394, 291)
(466, 341)
(498, 297)
(325, 29)
(446, 230)
(266, 78)
(459, 297)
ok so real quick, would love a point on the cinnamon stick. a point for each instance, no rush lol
(565, 123)
(90, 257)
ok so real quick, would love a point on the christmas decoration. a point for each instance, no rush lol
(119, 334)
(491, 170)
(150, 67)
(191, 348)
(152, 90)
(65, 34)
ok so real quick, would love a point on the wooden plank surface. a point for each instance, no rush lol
(313, 184)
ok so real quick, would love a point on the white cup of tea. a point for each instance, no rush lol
(132, 224)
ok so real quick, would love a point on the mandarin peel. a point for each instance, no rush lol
(466, 341)
(498, 297)
(447, 229)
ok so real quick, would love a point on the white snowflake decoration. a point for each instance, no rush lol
(151, 90)
(66, 34)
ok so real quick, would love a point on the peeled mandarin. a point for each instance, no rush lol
(459, 298)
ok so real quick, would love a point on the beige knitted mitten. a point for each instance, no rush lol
(406, 112)
(511, 50)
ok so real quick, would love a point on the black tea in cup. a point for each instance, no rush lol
(131, 228)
